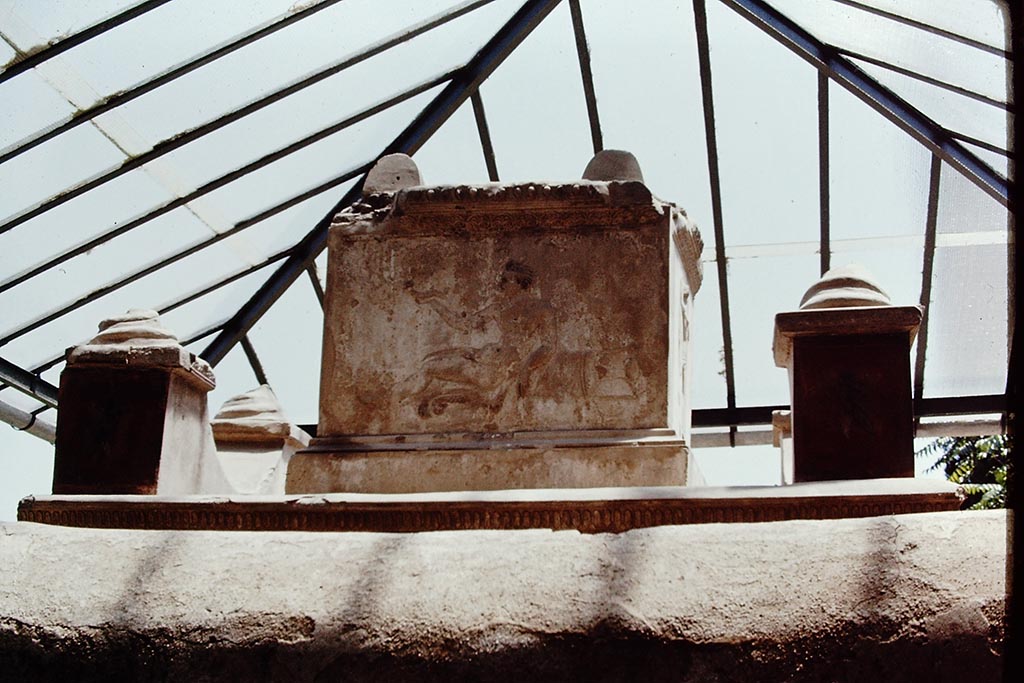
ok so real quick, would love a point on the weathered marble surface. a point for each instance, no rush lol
(461, 313)
(903, 598)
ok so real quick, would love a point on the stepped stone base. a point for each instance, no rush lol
(335, 465)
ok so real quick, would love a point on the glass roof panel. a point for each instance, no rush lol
(161, 39)
(965, 208)
(77, 221)
(904, 46)
(981, 20)
(708, 366)
(105, 264)
(536, 109)
(39, 106)
(967, 322)
(230, 83)
(314, 164)
(288, 341)
(758, 289)
(57, 20)
(879, 175)
(950, 110)
(671, 147)
(765, 111)
(47, 170)
(454, 153)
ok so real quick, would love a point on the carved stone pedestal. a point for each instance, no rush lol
(505, 336)
(133, 415)
(848, 355)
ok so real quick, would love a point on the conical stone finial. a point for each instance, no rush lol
(137, 327)
(258, 405)
(392, 173)
(613, 164)
(255, 415)
(846, 286)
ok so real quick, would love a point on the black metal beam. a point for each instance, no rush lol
(710, 136)
(254, 360)
(234, 277)
(485, 135)
(824, 202)
(163, 78)
(181, 254)
(931, 227)
(439, 110)
(223, 180)
(31, 61)
(926, 407)
(27, 382)
(935, 30)
(170, 144)
(314, 281)
(583, 53)
(874, 94)
(988, 146)
(909, 73)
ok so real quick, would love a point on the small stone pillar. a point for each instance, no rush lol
(133, 414)
(505, 336)
(848, 354)
(255, 441)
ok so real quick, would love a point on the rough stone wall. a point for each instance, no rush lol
(906, 598)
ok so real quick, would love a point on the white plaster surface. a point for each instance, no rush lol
(911, 597)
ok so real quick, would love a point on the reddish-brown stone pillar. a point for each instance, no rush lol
(848, 354)
(133, 414)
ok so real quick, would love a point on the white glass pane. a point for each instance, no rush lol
(950, 110)
(964, 207)
(48, 169)
(766, 116)
(901, 45)
(454, 154)
(879, 175)
(234, 376)
(708, 366)
(981, 20)
(78, 220)
(967, 326)
(308, 167)
(758, 289)
(29, 104)
(536, 109)
(309, 46)
(670, 142)
(56, 20)
(288, 340)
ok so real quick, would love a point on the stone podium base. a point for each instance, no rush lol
(397, 465)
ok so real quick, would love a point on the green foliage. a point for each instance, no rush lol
(978, 463)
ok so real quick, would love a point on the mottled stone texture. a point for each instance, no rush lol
(507, 309)
(904, 598)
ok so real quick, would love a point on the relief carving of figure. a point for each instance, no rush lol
(484, 376)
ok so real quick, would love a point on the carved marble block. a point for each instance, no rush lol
(505, 336)
(848, 354)
(133, 415)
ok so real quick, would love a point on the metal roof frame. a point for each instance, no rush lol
(462, 84)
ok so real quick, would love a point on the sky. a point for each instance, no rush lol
(649, 99)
